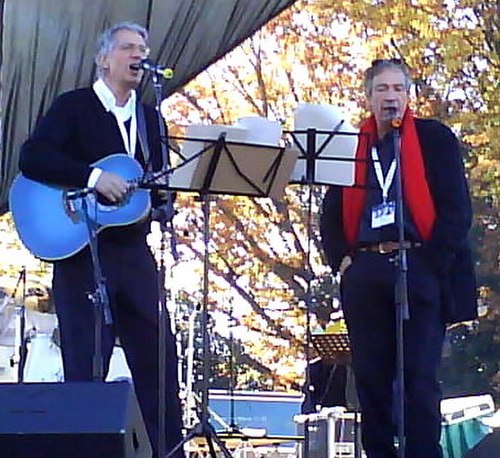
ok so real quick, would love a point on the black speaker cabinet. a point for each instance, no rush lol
(71, 420)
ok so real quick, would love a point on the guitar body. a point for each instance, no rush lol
(53, 226)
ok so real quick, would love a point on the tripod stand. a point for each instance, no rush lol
(228, 168)
(203, 428)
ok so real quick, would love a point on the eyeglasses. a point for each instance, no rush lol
(394, 60)
(132, 47)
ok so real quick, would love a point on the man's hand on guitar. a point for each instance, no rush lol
(112, 186)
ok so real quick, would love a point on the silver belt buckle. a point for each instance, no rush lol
(382, 250)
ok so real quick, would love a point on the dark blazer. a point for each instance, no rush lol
(448, 248)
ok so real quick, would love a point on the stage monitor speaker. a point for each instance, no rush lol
(489, 447)
(71, 420)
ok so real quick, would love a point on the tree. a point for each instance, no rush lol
(316, 52)
(261, 258)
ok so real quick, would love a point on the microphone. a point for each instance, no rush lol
(150, 66)
(393, 116)
(396, 122)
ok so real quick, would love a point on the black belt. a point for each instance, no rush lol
(388, 247)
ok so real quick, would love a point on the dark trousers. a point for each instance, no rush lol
(367, 290)
(131, 281)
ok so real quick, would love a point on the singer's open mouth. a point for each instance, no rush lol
(390, 111)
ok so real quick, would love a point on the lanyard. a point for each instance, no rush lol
(121, 114)
(384, 183)
(129, 140)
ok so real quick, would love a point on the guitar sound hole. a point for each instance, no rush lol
(105, 202)
(74, 207)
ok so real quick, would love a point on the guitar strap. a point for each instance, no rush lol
(143, 137)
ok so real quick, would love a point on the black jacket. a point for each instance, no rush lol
(448, 248)
(76, 132)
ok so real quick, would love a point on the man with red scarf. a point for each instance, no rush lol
(360, 238)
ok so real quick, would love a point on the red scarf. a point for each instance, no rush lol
(416, 192)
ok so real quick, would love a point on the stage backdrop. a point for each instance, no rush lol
(48, 46)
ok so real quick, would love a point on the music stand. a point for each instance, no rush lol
(336, 348)
(234, 168)
(223, 167)
(323, 153)
(332, 347)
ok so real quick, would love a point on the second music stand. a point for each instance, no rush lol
(336, 348)
(321, 162)
(332, 347)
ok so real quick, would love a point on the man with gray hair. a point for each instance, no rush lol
(81, 127)
(360, 238)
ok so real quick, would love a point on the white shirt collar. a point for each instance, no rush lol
(108, 101)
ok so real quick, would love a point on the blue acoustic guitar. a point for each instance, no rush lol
(51, 221)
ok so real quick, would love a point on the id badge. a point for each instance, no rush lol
(383, 214)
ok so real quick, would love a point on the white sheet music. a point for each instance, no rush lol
(330, 166)
(183, 176)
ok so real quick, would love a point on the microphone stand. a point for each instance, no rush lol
(164, 216)
(99, 297)
(401, 291)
